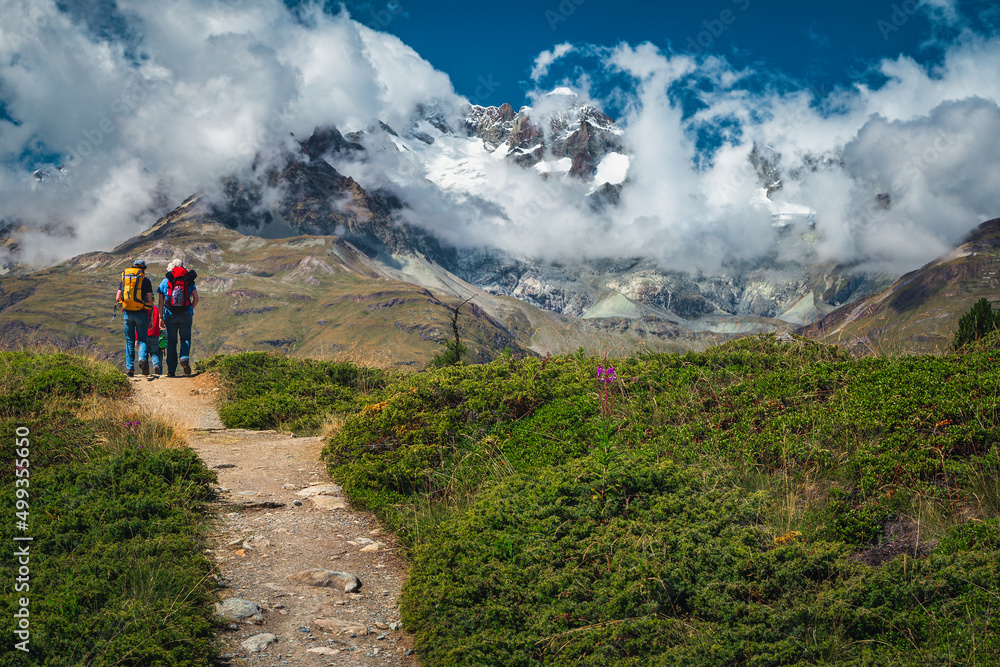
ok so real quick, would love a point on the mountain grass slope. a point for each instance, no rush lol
(919, 313)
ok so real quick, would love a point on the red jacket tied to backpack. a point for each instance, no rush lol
(154, 323)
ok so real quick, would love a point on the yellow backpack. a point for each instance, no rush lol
(132, 280)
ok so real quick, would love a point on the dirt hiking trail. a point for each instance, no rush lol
(278, 514)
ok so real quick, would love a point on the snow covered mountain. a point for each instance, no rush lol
(574, 138)
(428, 190)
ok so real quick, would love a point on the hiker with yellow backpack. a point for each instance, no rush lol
(135, 295)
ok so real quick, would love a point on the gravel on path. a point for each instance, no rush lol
(277, 514)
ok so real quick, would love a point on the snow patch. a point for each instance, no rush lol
(613, 169)
(460, 165)
(400, 144)
(560, 166)
(782, 213)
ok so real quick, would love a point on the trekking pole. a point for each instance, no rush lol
(114, 313)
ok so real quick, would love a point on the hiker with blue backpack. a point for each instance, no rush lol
(178, 297)
(135, 296)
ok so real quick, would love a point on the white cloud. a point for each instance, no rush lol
(197, 90)
(197, 93)
(546, 58)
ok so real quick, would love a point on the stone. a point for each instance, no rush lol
(327, 579)
(257, 542)
(337, 626)
(328, 503)
(319, 490)
(261, 504)
(290, 487)
(371, 548)
(297, 503)
(324, 650)
(258, 643)
(242, 611)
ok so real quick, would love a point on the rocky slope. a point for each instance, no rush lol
(920, 311)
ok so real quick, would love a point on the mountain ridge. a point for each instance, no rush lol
(920, 311)
(333, 184)
(309, 295)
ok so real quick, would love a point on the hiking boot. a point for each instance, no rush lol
(186, 366)
(143, 367)
(157, 370)
(170, 374)
(129, 372)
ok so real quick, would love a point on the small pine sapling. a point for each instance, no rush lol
(976, 324)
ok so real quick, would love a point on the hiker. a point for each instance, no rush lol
(135, 294)
(178, 297)
(156, 340)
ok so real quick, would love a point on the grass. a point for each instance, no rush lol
(116, 513)
(759, 503)
(270, 390)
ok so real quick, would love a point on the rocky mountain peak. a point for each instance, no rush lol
(574, 137)
(328, 140)
(492, 124)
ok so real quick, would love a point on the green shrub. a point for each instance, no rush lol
(575, 565)
(265, 390)
(974, 536)
(117, 574)
(56, 438)
(116, 566)
(30, 384)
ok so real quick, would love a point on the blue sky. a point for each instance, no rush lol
(488, 49)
